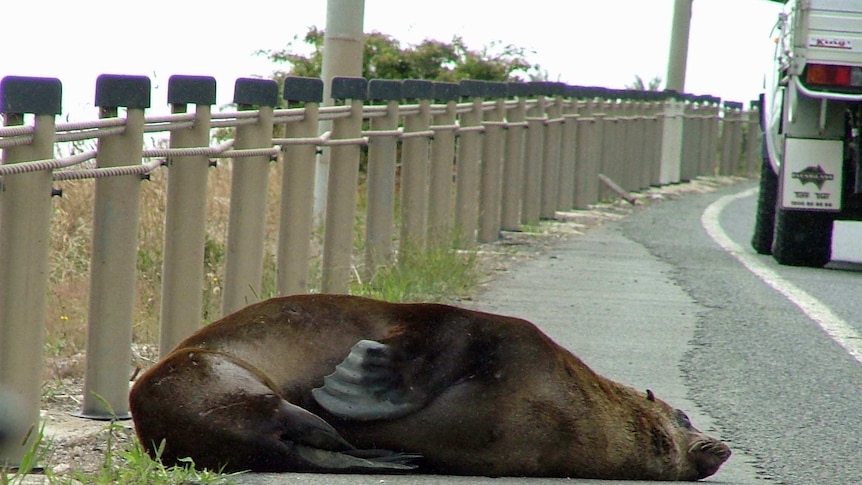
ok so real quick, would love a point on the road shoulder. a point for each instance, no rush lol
(606, 298)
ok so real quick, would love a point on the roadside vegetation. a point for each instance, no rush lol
(438, 273)
(126, 465)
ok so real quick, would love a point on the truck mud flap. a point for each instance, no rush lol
(812, 174)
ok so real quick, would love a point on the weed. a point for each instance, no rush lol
(39, 449)
(134, 466)
(437, 273)
(534, 228)
(214, 257)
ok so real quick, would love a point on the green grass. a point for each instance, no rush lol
(37, 452)
(134, 466)
(533, 228)
(437, 273)
(129, 465)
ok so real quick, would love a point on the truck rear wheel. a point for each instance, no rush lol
(764, 222)
(802, 238)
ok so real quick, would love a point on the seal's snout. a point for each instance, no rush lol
(708, 454)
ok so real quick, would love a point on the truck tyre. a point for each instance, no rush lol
(802, 238)
(764, 222)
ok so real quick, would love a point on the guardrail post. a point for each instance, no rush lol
(731, 138)
(707, 111)
(611, 141)
(25, 237)
(114, 254)
(569, 133)
(490, 183)
(248, 190)
(551, 152)
(710, 134)
(467, 164)
(185, 214)
(671, 141)
(442, 164)
(382, 156)
(296, 219)
(641, 152)
(628, 167)
(708, 152)
(690, 153)
(536, 119)
(618, 162)
(700, 142)
(752, 139)
(653, 137)
(341, 193)
(414, 165)
(513, 164)
(642, 149)
(648, 140)
(588, 146)
(706, 142)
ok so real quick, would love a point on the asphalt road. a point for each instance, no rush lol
(654, 302)
(778, 386)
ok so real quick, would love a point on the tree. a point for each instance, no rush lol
(639, 84)
(385, 58)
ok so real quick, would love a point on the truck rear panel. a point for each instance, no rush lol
(831, 31)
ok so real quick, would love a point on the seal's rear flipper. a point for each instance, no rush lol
(321, 448)
(368, 385)
(358, 461)
(305, 428)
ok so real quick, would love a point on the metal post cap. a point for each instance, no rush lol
(114, 91)
(36, 95)
(191, 90)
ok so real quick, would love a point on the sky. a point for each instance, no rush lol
(583, 42)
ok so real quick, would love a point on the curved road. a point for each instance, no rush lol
(777, 384)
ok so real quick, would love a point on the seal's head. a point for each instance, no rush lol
(704, 456)
(699, 455)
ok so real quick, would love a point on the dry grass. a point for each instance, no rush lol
(71, 233)
(70, 264)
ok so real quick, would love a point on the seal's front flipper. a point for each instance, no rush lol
(369, 384)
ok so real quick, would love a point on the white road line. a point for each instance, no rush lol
(837, 329)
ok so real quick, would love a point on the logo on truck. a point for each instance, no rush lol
(814, 175)
(828, 43)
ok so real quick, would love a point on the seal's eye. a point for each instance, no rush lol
(682, 419)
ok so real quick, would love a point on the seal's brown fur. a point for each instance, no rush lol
(484, 394)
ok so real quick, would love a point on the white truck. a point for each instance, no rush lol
(811, 121)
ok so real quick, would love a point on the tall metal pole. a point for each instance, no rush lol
(342, 56)
(679, 45)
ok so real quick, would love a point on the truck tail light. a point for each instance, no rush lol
(829, 75)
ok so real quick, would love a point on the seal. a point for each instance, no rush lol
(331, 382)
